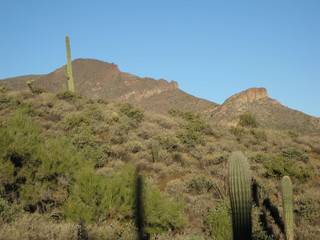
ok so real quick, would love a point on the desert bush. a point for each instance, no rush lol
(190, 138)
(248, 120)
(308, 208)
(6, 101)
(76, 121)
(258, 231)
(8, 212)
(279, 166)
(218, 221)
(131, 112)
(162, 214)
(87, 202)
(200, 184)
(102, 101)
(238, 132)
(295, 153)
(84, 136)
(167, 142)
(261, 136)
(165, 156)
(67, 95)
(175, 112)
(194, 123)
(32, 165)
(92, 112)
(86, 142)
(38, 90)
(112, 230)
(261, 157)
(194, 128)
(4, 89)
(134, 146)
(221, 158)
(38, 227)
(95, 198)
(119, 132)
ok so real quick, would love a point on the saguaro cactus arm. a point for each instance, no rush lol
(240, 196)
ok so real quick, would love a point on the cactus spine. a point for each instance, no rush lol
(240, 196)
(287, 206)
(69, 66)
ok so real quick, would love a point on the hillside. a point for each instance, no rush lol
(98, 79)
(69, 171)
(270, 112)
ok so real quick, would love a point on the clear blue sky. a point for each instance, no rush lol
(212, 48)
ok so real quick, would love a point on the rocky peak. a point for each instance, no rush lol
(249, 95)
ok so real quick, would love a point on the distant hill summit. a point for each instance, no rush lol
(269, 112)
(98, 79)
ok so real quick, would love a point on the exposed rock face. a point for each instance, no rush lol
(249, 95)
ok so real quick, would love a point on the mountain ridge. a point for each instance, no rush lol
(99, 79)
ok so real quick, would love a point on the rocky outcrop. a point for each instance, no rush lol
(249, 95)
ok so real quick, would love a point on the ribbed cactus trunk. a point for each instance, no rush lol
(287, 206)
(240, 196)
(69, 66)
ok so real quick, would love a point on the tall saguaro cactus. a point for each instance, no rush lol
(287, 206)
(240, 196)
(69, 66)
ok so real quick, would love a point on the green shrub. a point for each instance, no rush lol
(8, 212)
(248, 120)
(32, 165)
(131, 112)
(4, 89)
(87, 144)
(308, 208)
(84, 136)
(264, 158)
(67, 95)
(218, 220)
(200, 184)
(162, 214)
(87, 202)
(134, 146)
(76, 121)
(6, 101)
(261, 136)
(279, 166)
(175, 112)
(221, 158)
(38, 90)
(190, 138)
(169, 143)
(295, 153)
(101, 101)
(238, 132)
(92, 112)
(95, 198)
